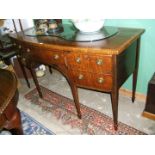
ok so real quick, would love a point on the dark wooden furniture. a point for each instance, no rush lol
(23, 62)
(9, 114)
(9, 50)
(149, 110)
(102, 65)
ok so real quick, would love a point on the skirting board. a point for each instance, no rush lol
(148, 115)
(128, 93)
(140, 97)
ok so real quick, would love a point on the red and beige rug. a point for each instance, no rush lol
(92, 122)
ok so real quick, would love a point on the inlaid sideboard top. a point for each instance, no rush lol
(112, 45)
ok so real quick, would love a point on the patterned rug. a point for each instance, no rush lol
(92, 122)
(33, 127)
(30, 127)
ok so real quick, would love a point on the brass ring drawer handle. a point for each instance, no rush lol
(78, 59)
(80, 77)
(100, 80)
(56, 56)
(99, 62)
(19, 46)
(28, 50)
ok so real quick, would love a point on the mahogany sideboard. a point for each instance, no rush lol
(102, 65)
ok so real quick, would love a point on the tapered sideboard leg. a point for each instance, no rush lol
(135, 73)
(114, 102)
(24, 72)
(36, 81)
(76, 99)
(134, 83)
(50, 69)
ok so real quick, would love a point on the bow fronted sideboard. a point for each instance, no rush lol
(102, 65)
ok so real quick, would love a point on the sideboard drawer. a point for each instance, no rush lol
(102, 81)
(77, 61)
(94, 81)
(81, 78)
(48, 56)
(91, 63)
(41, 54)
(100, 64)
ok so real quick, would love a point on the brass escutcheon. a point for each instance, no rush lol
(28, 50)
(100, 80)
(80, 77)
(78, 59)
(56, 56)
(99, 62)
